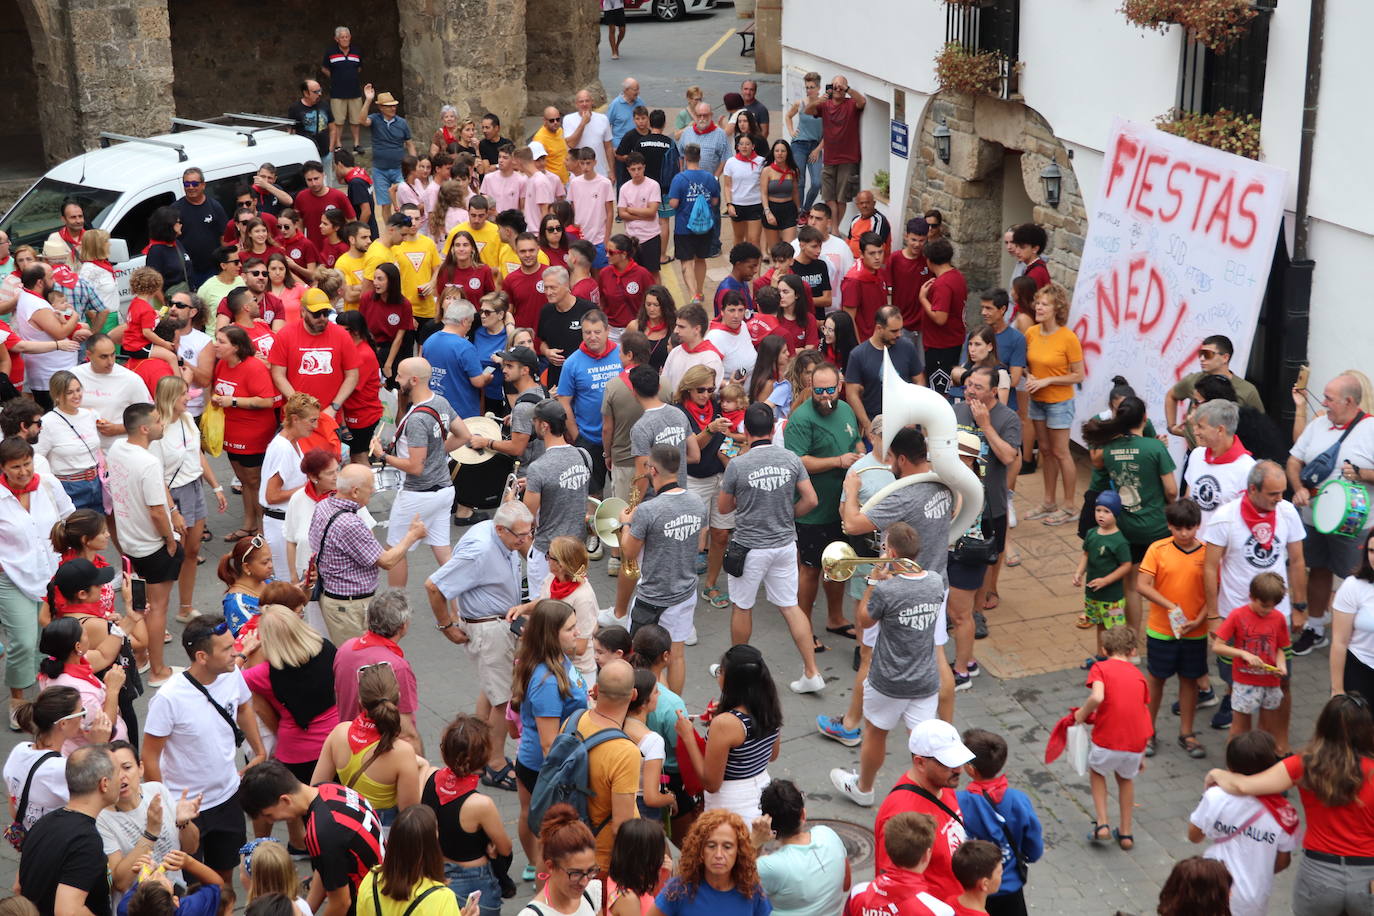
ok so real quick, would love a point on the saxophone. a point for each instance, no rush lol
(630, 568)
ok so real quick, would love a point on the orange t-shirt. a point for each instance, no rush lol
(1052, 355)
(612, 769)
(1178, 575)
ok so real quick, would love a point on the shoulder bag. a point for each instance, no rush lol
(16, 831)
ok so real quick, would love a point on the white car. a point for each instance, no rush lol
(667, 10)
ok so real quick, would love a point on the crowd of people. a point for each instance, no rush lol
(463, 329)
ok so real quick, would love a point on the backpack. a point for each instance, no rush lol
(564, 776)
(701, 220)
(671, 165)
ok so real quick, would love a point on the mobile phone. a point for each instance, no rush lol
(472, 898)
(517, 626)
(140, 593)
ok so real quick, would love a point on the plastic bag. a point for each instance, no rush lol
(212, 429)
(1079, 737)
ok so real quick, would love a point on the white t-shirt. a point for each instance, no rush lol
(737, 351)
(1211, 486)
(651, 747)
(179, 452)
(189, 348)
(1245, 558)
(199, 755)
(137, 489)
(1319, 435)
(592, 891)
(1249, 857)
(120, 830)
(48, 792)
(70, 443)
(104, 283)
(283, 458)
(1356, 596)
(597, 135)
(38, 367)
(744, 180)
(109, 394)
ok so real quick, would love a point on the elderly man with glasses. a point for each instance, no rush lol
(203, 222)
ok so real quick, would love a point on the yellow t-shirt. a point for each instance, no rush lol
(353, 269)
(1052, 355)
(510, 261)
(557, 147)
(418, 260)
(378, 253)
(612, 769)
(440, 903)
(488, 240)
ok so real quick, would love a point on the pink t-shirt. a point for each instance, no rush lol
(540, 188)
(644, 194)
(294, 744)
(589, 198)
(351, 656)
(505, 191)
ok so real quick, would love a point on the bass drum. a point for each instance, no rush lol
(479, 485)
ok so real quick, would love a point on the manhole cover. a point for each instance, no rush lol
(858, 841)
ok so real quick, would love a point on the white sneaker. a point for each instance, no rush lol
(593, 547)
(1011, 514)
(691, 640)
(613, 567)
(607, 618)
(847, 782)
(808, 684)
(714, 669)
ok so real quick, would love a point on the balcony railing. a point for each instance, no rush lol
(993, 25)
(1232, 79)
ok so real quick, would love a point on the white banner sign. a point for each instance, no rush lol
(1180, 239)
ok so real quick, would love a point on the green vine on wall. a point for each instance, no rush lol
(1217, 24)
(1223, 130)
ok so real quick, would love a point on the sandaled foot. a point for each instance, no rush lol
(1061, 517)
(236, 535)
(713, 595)
(503, 778)
(845, 629)
(1013, 557)
(1192, 745)
(1097, 835)
(991, 601)
(817, 646)
(1124, 840)
(1044, 511)
(1090, 661)
(1083, 623)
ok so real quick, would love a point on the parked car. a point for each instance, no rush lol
(668, 10)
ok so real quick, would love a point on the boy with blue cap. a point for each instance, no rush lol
(1105, 562)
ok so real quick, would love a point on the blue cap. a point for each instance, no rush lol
(1111, 499)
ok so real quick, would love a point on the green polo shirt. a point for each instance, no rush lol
(810, 434)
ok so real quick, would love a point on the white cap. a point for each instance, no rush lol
(537, 149)
(937, 738)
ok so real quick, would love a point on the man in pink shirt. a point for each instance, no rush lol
(639, 199)
(505, 187)
(388, 620)
(593, 200)
(542, 187)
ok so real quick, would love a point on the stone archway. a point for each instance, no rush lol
(36, 113)
(969, 190)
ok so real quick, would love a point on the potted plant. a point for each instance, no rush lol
(882, 183)
(1223, 129)
(974, 72)
(1217, 24)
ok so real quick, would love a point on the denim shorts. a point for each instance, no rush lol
(463, 880)
(85, 494)
(1057, 415)
(382, 180)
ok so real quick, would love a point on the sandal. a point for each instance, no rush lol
(1083, 623)
(1013, 557)
(185, 613)
(1096, 836)
(1124, 840)
(1061, 517)
(503, 778)
(845, 630)
(712, 594)
(1044, 511)
(1090, 661)
(991, 601)
(1193, 746)
(817, 646)
(237, 535)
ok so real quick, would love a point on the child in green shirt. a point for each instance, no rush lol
(1105, 562)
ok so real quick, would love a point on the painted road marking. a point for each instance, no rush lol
(701, 61)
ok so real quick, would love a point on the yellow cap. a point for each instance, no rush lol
(315, 300)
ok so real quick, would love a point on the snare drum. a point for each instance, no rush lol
(1340, 507)
(387, 482)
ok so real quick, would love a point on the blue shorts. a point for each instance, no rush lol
(1057, 415)
(382, 180)
(601, 259)
(665, 211)
(1186, 658)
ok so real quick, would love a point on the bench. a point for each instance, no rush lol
(746, 40)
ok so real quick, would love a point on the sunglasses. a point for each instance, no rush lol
(74, 715)
(36, 421)
(257, 543)
(233, 261)
(831, 389)
(489, 312)
(373, 665)
(707, 389)
(256, 273)
(552, 120)
(190, 184)
(552, 227)
(1207, 353)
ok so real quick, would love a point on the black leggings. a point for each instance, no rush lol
(1359, 677)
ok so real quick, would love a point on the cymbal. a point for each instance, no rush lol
(485, 427)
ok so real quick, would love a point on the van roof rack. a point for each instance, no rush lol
(225, 122)
(107, 136)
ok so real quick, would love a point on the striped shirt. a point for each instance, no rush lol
(753, 756)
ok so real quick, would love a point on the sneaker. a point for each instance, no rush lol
(980, 625)
(1206, 698)
(607, 618)
(1011, 515)
(1150, 747)
(1308, 640)
(613, 567)
(296, 852)
(806, 684)
(847, 782)
(973, 669)
(14, 719)
(594, 551)
(691, 639)
(701, 562)
(962, 681)
(1221, 719)
(713, 669)
(1028, 467)
(529, 874)
(358, 151)
(833, 727)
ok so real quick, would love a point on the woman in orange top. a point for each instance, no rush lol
(1054, 359)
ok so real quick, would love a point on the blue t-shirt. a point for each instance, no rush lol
(543, 701)
(344, 67)
(740, 286)
(453, 360)
(687, 186)
(388, 142)
(584, 380)
(204, 902)
(488, 345)
(239, 608)
(707, 901)
(621, 114)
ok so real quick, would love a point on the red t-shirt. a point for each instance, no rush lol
(1265, 636)
(558, 257)
(947, 295)
(315, 363)
(246, 432)
(474, 281)
(11, 340)
(384, 320)
(949, 835)
(301, 250)
(1123, 719)
(364, 405)
(150, 370)
(1344, 831)
(760, 326)
(893, 893)
(262, 337)
(907, 276)
(311, 209)
(231, 229)
(1038, 271)
(142, 317)
(623, 293)
(961, 910)
(865, 292)
(269, 309)
(246, 255)
(796, 338)
(526, 294)
(840, 131)
(586, 288)
(330, 252)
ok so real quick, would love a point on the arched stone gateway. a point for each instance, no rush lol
(992, 180)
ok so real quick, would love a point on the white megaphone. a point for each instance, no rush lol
(905, 404)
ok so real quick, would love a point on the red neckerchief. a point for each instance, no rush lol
(753, 164)
(654, 328)
(65, 236)
(81, 669)
(149, 247)
(449, 786)
(1261, 524)
(610, 348)
(369, 639)
(560, 589)
(701, 132)
(362, 732)
(736, 417)
(994, 789)
(356, 172)
(64, 276)
(702, 347)
(718, 325)
(702, 414)
(103, 265)
(89, 608)
(449, 137)
(4, 261)
(1283, 811)
(27, 488)
(313, 493)
(1226, 457)
(783, 172)
(1355, 419)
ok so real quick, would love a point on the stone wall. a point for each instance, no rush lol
(968, 189)
(17, 108)
(561, 54)
(123, 64)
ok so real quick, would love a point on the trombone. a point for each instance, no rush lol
(838, 562)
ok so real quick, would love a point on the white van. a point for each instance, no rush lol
(120, 184)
